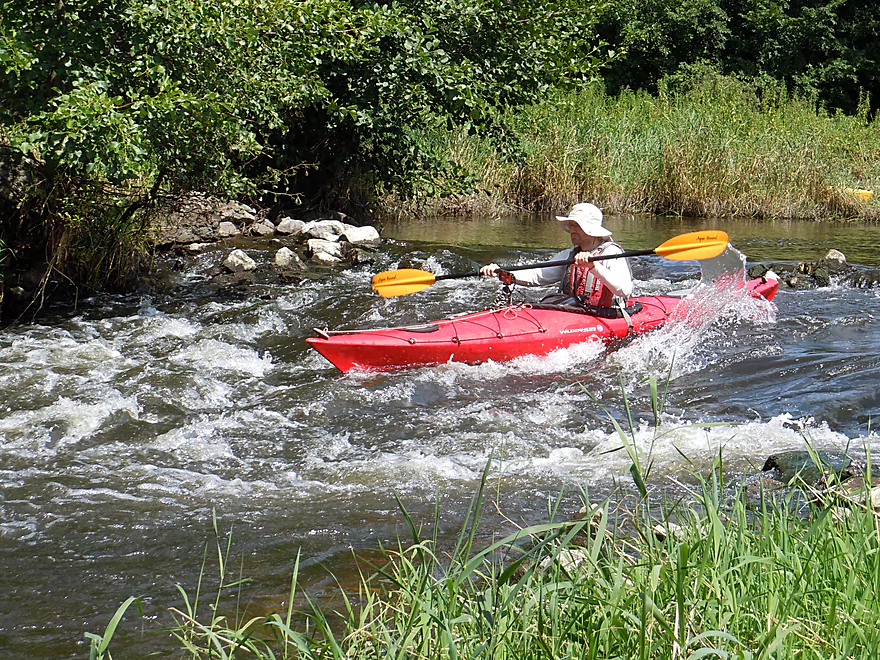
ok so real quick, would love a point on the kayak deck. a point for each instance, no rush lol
(498, 334)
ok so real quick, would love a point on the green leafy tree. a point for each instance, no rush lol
(826, 47)
(658, 36)
(194, 91)
(121, 101)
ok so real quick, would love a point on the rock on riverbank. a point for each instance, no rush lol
(231, 238)
(196, 221)
(234, 239)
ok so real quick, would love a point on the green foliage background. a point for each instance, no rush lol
(824, 48)
(228, 96)
(107, 106)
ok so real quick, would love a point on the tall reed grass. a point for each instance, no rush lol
(707, 145)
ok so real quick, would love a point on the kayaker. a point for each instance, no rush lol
(599, 285)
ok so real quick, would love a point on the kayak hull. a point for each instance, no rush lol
(500, 334)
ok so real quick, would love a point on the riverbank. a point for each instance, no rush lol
(712, 146)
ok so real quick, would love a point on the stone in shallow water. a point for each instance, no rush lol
(287, 259)
(238, 261)
(360, 235)
(197, 248)
(325, 252)
(834, 261)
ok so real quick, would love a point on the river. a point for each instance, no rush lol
(127, 423)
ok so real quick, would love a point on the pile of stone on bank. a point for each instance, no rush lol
(199, 224)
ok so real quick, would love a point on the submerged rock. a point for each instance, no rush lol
(834, 262)
(830, 269)
(785, 466)
(864, 279)
(325, 252)
(196, 248)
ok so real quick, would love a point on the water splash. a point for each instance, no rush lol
(728, 269)
(712, 313)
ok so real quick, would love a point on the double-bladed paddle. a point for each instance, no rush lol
(692, 246)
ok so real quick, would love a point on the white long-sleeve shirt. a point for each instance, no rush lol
(614, 273)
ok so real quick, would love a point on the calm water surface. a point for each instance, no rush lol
(127, 423)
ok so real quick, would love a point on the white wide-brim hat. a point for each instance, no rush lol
(588, 217)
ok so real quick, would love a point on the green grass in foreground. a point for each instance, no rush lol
(707, 145)
(728, 580)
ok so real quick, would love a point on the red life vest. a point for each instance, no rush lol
(586, 287)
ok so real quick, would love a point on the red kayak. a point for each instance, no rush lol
(498, 334)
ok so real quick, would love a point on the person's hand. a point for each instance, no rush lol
(582, 260)
(494, 270)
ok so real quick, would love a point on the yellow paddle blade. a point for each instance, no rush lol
(401, 282)
(696, 245)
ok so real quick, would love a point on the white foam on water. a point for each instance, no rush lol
(297, 299)
(462, 295)
(62, 352)
(94, 496)
(62, 423)
(209, 458)
(677, 447)
(595, 457)
(199, 440)
(399, 469)
(22, 529)
(517, 423)
(434, 265)
(268, 322)
(203, 393)
(373, 315)
(563, 360)
(358, 433)
(179, 485)
(312, 362)
(213, 356)
(332, 448)
(659, 286)
(165, 327)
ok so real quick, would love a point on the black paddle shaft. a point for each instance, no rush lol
(549, 264)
